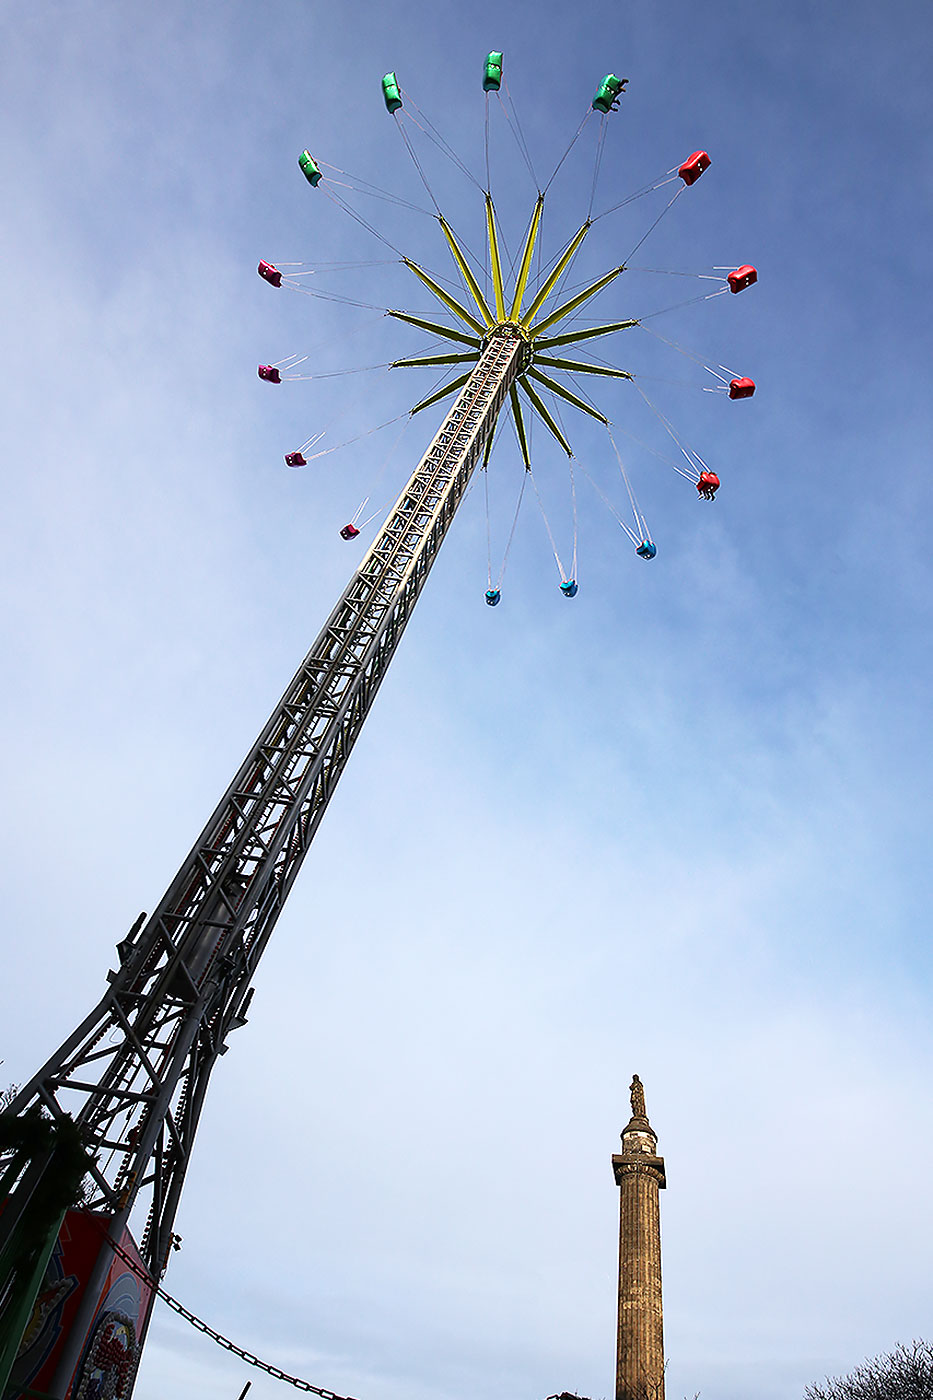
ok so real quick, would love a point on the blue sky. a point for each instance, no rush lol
(677, 826)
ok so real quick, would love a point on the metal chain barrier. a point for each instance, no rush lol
(275, 1371)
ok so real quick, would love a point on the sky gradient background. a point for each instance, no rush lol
(677, 826)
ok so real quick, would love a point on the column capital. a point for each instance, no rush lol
(632, 1164)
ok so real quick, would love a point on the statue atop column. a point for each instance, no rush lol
(637, 1092)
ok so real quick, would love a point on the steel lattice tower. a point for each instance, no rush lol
(134, 1073)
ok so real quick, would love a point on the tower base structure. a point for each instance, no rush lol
(118, 1313)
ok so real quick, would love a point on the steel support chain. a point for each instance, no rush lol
(249, 1357)
(133, 1075)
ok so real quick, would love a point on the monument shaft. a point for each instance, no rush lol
(639, 1174)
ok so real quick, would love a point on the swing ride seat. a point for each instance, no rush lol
(270, 374)
(693, 167)
(349, 532)
(492, 596)
(646, 550)
(708, 485)
(741, 388)
(569, 588)
(270, 274)
(743, 277)
(608, 93)
(309, 168)
(295, 459)
(492, 76)
(391, 93)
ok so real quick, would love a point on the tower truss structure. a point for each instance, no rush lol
(133, 1075)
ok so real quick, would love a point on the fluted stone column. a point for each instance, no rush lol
(639, 1174)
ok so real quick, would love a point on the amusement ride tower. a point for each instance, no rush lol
(96, 1145)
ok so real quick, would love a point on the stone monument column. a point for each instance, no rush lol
(639, 1173)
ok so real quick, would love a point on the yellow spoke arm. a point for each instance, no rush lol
(450, 302)
(465, 269)
(519, 424)
(581, 367)
(434, 360)
(488, 447)
(435, 328)
(450, 388)
(549, 285)
(578, 300)
(572, 337)
(525, 265)
(563, 393)
(495, 260)
(540, 408)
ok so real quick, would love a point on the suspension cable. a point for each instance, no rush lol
(640, 520)
(335, 373)
(668, 179)
(313, 269)
(573, 142)
(432, 133)
(647, 447)
(336, 297)
(600, 146)
(673, 272)
(516, 130)
(415, 161)
(508, 547)
(361, 186)
(563, 576)
(373, 194)
(370, 518)
(366, 325)
(347, 209)
(609, 506)
(692, 355)
(691, 456)
(488, 525)
(676, 195)
(369, 432)
(486, 144)
(573, 498)
(379, 475)
(691, 301)
(573, 485)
